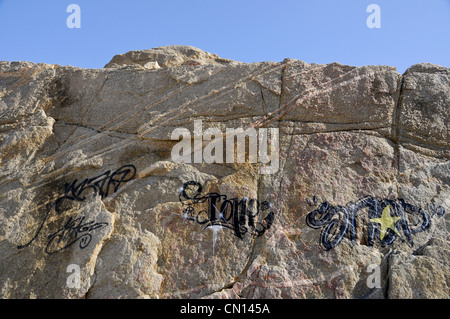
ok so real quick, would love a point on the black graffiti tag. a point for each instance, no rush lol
(239, 215)
(75, 229)
(102, 184)
(337, 222)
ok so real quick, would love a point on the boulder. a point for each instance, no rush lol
(296, 180)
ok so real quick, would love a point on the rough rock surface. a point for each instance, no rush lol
(88, 180)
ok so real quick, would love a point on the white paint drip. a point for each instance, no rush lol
(220, 213)
(215, 229)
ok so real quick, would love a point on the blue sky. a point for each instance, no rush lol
(319, 31)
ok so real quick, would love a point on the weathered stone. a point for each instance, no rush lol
(88, 180)
(423, 113)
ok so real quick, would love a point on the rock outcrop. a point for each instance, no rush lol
(127, 182)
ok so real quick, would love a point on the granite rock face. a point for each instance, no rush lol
(94, 205)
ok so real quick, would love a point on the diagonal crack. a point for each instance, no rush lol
(396, 128)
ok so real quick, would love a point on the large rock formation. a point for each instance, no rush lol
(351, 200)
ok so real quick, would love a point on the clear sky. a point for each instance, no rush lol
(315, 31)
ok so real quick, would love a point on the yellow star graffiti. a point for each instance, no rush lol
(386, 221)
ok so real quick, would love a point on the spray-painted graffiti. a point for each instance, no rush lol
(385, 217)
(217, 210)
(101, 185)
(76, 229)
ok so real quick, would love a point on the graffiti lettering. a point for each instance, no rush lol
(218, 210)
(101, 184)
(74, 230)
(337, 222)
